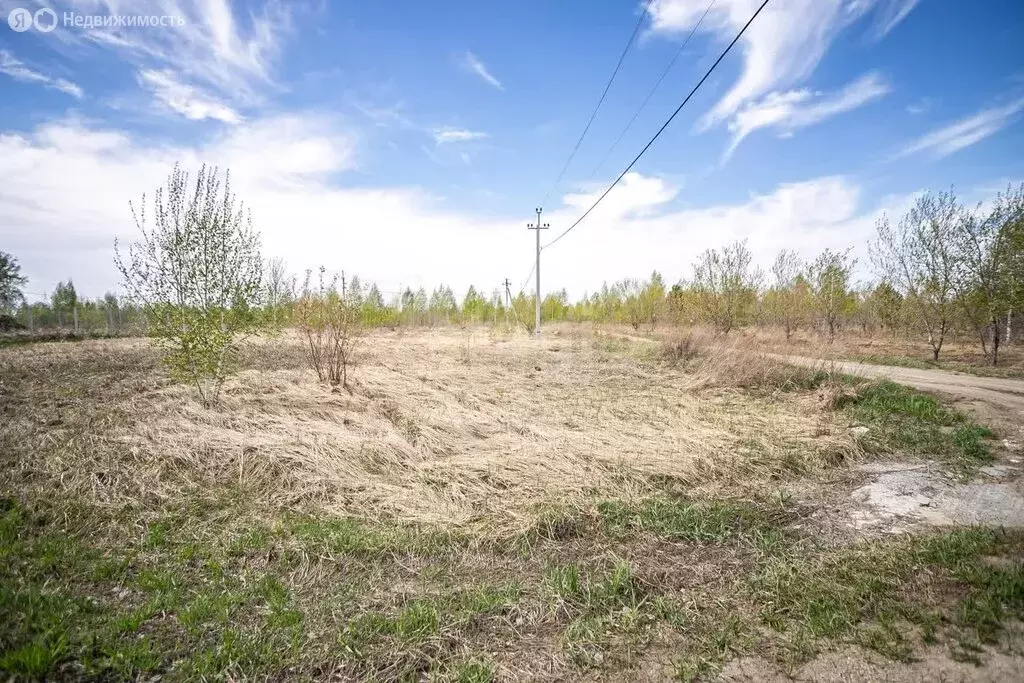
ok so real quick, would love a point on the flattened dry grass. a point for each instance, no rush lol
(444, 427)
(478, 508)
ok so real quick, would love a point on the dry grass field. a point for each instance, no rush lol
(483, 506)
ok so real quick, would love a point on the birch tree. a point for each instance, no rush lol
(198, 274)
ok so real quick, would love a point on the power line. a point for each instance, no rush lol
(647, 99)
(527, 279)
(629, 43)
(663, 126)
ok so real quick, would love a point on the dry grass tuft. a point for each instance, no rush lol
(441, 426)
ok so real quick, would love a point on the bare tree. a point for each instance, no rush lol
(990, 258)
(919, 257)
(331, 326)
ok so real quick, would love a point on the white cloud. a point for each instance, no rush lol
(920, 106)
(788, 111)
(965, 132)
(187, 100)
(212, 50)
(472, 63)
(65, 187)
(645, 232)
(891, 14)
(635, 195)
(17, 70)
(445, 135)
(780, 49)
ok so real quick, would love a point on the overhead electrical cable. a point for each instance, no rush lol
(629, 44)
(663, 126)
(647, 99)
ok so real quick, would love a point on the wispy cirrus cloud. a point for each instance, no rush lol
(470, 62)
(446, 135)
(781, 48)
(187, 100)
(920, 106)
(213, 61)
(965, 132)
(17, 70)
(790, 110)
(891, 14)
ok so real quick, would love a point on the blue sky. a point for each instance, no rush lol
(410, 141)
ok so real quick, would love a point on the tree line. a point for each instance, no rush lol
(940, 270)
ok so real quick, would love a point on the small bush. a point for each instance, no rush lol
(681, 348)
(332, 327)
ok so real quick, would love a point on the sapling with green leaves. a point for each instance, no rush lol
(198, 274)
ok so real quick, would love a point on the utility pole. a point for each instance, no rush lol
(538, 226)
(343, 285)
(508, 297)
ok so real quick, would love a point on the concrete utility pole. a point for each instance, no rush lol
(538, 226)
(508, 297)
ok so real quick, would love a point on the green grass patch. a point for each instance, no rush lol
(902, 419)
(199, 594)
(717, 521)
(867, 593)
(603, 604)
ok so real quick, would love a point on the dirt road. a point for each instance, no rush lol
(1005, 394)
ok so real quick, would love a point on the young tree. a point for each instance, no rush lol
(354, 292)
(886, 305)
(64, 299)
(990, 260)
(197, 272)
(633, 307)
(11, 282)
(829, 278)
(919, 257)
(726, 285)
(111, 311)
(653, 298)
(473, 305)
(1011, 220)
(374, 299)
(787, 300)
(276, 287)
